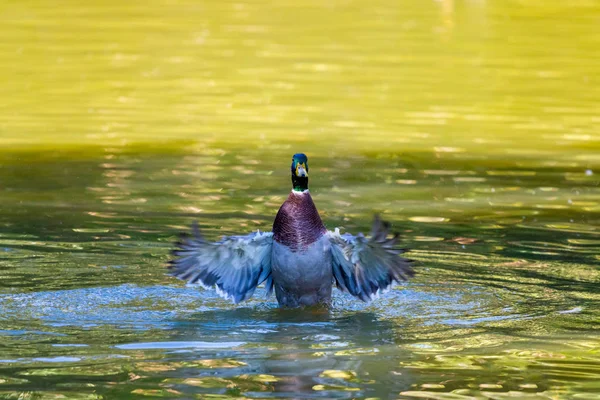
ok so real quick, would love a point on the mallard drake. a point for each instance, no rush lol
(300, 258)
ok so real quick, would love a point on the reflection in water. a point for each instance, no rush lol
(301, 357)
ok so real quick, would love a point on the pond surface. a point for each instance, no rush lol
(472, 126)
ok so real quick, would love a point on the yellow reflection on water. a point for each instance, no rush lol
(442, 76)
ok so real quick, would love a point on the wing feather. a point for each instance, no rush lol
(235, 266)
(366, 267)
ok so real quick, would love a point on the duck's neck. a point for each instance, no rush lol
(299, 183)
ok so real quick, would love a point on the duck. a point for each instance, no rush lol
(299, 259)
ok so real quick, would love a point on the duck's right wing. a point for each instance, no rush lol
(365, 267)
(233, 266)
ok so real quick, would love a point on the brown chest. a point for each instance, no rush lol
(298, 224)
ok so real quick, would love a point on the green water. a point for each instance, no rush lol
(473, 126)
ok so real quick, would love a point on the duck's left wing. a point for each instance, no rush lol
(364, 267)
(235, 266)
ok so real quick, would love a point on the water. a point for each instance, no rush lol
(471, 126)
(505, 301)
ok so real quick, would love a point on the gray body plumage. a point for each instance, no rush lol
(302, 278)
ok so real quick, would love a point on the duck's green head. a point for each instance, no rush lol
(300, 172)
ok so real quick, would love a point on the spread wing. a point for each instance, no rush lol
(234, 266)
(365, 267)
